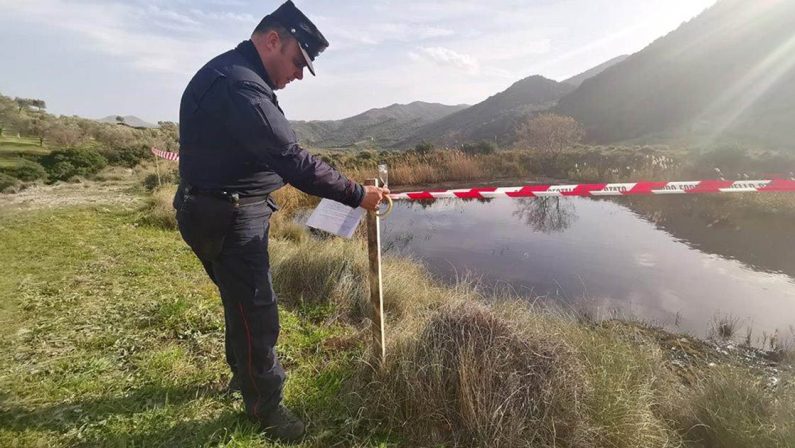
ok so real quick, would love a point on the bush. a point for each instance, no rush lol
(423, 148)
(365, 155)
(6, 182)
(27, 171)
(68, 163)
(167, 177)
(159, 211)
(128, 156)
(481, 147)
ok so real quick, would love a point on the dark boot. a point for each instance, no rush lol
(282, 424)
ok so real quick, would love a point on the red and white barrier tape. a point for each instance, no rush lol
(165, 154)
(618, 189)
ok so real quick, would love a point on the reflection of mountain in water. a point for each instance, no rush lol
(710, 224)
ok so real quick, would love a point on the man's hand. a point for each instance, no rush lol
(373, 197)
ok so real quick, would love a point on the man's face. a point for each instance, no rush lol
(288, 64)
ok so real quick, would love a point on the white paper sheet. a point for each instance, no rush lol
(335, 218)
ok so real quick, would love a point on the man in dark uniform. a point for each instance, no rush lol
(236, 148)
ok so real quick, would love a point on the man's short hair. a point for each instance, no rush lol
(268, 24)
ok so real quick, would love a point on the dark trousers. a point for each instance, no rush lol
(230, 238)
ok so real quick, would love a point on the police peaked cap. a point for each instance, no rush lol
(310, 39)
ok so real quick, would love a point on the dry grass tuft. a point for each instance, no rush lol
(730, 408)
(291, 199)
(159, 211)
(334, 272)
(469, 377)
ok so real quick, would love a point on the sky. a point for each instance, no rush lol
(135, 57)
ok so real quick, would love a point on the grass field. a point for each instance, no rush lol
(111, 335)
(14, 150)
(118, 334)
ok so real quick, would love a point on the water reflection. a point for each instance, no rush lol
(543, 214)
(659, 260)
(763, 241)
(547, 215)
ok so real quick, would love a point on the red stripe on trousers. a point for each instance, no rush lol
(250, 350)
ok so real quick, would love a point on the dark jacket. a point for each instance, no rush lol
(234, 136)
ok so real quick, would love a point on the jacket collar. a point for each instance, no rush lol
(249, 52)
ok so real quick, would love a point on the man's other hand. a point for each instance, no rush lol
(373, 197)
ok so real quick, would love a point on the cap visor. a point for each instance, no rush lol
(308, 60)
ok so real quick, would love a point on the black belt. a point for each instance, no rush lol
(226, 195)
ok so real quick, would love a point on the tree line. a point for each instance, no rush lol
(79, 146)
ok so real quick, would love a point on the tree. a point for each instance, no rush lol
(65, 134)
(481, 147)
(167, 136)
(423, 148)
(550, 132)
(27, 103)
(119, 119)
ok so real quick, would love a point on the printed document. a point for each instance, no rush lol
(335, 218)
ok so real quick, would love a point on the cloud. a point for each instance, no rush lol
(346, 35)
(170, 19)
(450, 58)
(125, 31)
(225, 16)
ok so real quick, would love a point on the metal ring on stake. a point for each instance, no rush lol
(388, 210)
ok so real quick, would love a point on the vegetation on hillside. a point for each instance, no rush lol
(725, 75)
(38, 146)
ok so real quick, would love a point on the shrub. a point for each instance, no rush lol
(166, 177)
(65, 164)
(365, 155)
(128, 156)
(26, 170)
(481, 147)
(423, 148)
(6, 182)
(159, 211)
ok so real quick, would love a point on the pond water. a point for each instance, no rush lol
(660, 260)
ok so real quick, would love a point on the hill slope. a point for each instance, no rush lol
(129, 120)
(494, 118)
(384, 126)
(576, 81)
(727, 74)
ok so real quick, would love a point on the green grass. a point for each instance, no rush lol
(119, 338)
(111, 335)
(11, 146)
(14, 151)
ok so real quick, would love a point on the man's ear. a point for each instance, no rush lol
(272, 40)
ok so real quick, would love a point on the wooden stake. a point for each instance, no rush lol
(157, 170)
(376, 284)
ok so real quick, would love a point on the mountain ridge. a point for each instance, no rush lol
(129, 120)
(700, 83)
